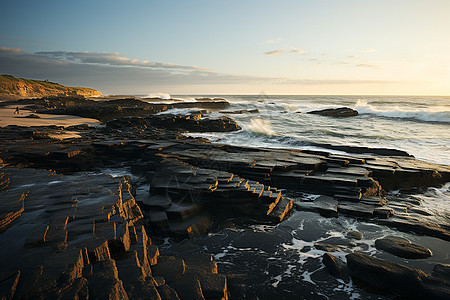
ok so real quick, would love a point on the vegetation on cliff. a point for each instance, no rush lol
(12, 87)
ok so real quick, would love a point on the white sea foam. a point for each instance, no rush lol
(428, 114)
(260, 126)
(159, 95)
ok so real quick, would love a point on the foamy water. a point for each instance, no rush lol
(417, 125)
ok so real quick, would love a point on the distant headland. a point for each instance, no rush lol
(16, 88)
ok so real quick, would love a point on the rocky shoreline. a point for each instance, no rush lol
(73, 231)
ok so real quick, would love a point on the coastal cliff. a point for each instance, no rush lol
(14, 88)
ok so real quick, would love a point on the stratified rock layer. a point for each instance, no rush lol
(82, 236)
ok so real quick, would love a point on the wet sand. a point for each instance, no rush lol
(8, 117)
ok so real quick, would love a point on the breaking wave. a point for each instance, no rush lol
(259, 126)
(159, 95)
(429, 114)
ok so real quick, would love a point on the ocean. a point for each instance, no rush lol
(419, 125)
(281, 261)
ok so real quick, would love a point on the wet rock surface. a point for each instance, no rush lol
(342, 112)
(402, 248)
(405, 281)
(102, 229)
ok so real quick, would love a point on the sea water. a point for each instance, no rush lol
(416, 124)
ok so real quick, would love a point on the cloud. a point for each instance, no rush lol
(366, 66)
(367, 50)
(274, 52)
(340, 63)
(114, 59)
(295, 50)
(6, 50)
(271, 41)
(285, 50)
(124, 76)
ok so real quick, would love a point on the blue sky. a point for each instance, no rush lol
(231, 47)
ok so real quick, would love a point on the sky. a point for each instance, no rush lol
(346, 47)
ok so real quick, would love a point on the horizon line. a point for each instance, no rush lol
(398, 95)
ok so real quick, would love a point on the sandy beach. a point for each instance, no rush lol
(8, 117)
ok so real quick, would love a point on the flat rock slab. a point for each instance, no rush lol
(404, 281)
(402, 248)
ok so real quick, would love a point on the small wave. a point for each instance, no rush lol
(159, 95)
(435, 114)
(260, 126)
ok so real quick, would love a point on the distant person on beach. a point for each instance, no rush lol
(17, 111)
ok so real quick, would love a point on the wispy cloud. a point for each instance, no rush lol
(340, 63)
(367, 50)
(274, 52)
(271, 41)
(6, 50)
(285, 50)
(114, 59)
(366, 66)
(295, 50)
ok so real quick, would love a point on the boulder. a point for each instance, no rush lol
(402, 248)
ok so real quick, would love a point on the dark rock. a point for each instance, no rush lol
(417, 224)
(402, 248)
(442, 272)
(176, 122)
(328, 247)
(326, 206)
(167, 293)
(8, 284)
(214, 286)
(404, 281)
(362, 150)
(31, 116)
(356, 235)
(105, 283)
(11, 208)
(188, 287)
(242, 111)
(333, 266)
(169, 267)
(342, 112)
(356, 209)
(383, 213)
